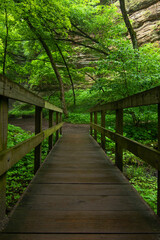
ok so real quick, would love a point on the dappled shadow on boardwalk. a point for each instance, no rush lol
(78, 194)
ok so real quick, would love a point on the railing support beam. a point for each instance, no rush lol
(38, 129)
(91, 120)
(119, 129)
(50, 125)
(57, 121)
(158, 179)
(103, 114)
(95, 122)
(3, 146)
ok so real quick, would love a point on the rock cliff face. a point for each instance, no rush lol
(145, 16)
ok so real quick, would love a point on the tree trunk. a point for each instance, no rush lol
(70, 77)
(128, 24)
(48, 52)
(6, 41)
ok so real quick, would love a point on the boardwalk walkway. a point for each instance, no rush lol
(79, 195)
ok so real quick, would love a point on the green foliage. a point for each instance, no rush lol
(143, 177)
(19, 176)
(127, 71)
(82, 118)
(22, 110)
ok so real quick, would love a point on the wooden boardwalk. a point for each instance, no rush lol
(79, 195)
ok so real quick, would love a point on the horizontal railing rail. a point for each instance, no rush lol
(9, 157)
(15, 91)
(147, 97)
(147, 154)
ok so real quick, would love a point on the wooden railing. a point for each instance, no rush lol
(147, 154)
(8, 157)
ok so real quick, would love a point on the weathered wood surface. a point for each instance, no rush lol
(3, 146)
(151, 96)
(12, 155)
(79, 195)
(15, 91)
(147, 154)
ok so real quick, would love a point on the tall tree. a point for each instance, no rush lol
(128, 24)
(6, 38)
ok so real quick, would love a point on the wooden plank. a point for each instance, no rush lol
(15, 91)
(83, 203)
(11, 156)
(38, 129)
(49, 221)
(82, 189)
(3, 146)
(147, 154)
(119, 236)
(118, 149)
(52, 130)
(74, 177)
(50, 106)
(148, 97)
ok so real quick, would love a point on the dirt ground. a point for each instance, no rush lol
(29, 125)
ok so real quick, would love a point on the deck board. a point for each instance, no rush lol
(78, 194)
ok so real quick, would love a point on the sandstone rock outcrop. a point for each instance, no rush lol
(145, 16)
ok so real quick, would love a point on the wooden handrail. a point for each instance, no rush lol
(8, 157)
(149, 155)
(15, 91)
(147, 97)
(11, 156)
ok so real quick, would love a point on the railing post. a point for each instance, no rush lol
(38, 129)
(119, 129)
(3, 146)
(60, 122)
(50, 125)
(158, 179)
(103, 125)
(57, 121)
(95, 122)
(91, 120)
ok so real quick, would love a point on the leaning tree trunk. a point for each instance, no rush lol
(48, 52)
(128, 24)
(70, 77)
(6, 41)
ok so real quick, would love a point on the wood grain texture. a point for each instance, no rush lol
(79, 194)
(148, 97)
(147, 154)
(15, 91)
(3, 146)
(80, 236)
(11, 156)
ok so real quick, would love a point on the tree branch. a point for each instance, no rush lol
(128, 24)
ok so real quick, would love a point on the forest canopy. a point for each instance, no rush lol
(56, 45)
